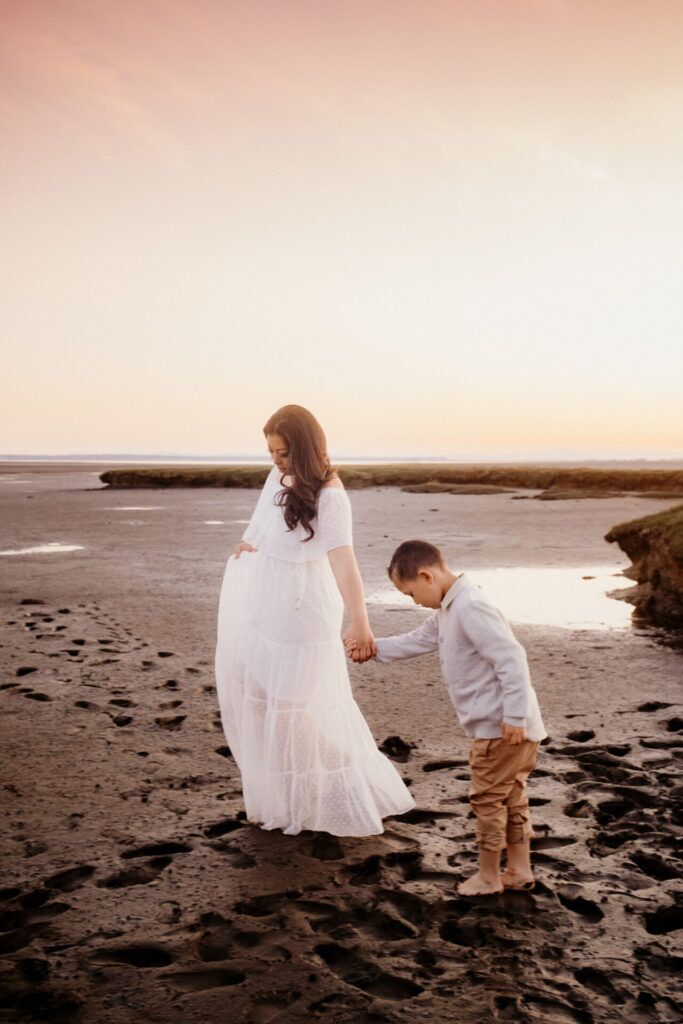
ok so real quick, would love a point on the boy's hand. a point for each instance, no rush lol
(513, 734)
(358, 650)
(355, 654)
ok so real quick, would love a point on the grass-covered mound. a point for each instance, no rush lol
(655, 546)
(186, 476)
(409, 474)
(434, 487)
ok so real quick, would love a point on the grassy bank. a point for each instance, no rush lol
(655, 546)
(668, 482)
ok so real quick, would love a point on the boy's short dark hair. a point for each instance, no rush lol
(413, 555)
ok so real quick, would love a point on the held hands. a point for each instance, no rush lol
(359, 642)
(513, 734)
(242, 546)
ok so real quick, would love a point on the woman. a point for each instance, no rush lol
(307, 757)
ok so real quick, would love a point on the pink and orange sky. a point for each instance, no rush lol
(449, 228)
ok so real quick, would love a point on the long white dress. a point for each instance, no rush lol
(307, 757)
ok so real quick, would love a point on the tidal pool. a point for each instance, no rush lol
(52, 548)
(575, 598)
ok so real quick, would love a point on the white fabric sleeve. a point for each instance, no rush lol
(409, 645)
(252, 533)
(334, 518)
(492, 636)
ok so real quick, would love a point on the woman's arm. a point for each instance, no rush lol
(346, 572)
(251, 535)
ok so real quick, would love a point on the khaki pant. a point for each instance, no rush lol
(498, 794)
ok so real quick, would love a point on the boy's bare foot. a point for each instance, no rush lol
(476, 885)
(515, 880)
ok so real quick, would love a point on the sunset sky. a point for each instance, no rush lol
(448, 227)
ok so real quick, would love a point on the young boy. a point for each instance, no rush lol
(486, 672)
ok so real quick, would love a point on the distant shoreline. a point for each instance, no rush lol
(554, 481)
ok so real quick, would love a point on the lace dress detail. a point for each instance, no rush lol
(307, 757)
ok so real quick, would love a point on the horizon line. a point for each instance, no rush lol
(542, 456)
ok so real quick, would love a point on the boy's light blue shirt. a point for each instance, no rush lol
(483, 664)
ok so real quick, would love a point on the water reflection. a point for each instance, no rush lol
(54, 547)
(575, 598)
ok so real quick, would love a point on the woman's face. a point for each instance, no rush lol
(279, 451)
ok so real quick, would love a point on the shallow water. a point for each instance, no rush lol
(574, 598)
(53, 547)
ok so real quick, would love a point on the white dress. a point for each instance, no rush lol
(307, 757)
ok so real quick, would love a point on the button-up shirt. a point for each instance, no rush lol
(483, 664)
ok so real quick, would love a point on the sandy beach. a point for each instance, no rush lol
(134, 890)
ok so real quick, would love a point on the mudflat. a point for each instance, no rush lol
(134, 889)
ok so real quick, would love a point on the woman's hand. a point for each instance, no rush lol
(358, 638)
(359, 642)
(242, 546)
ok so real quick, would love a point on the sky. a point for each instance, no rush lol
(448, 228)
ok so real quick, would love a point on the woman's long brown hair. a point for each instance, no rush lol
(309, 463)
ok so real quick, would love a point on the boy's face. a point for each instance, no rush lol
(425, 589)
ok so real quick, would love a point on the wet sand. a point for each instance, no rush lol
(133, 889)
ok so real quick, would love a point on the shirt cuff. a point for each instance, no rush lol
(516, 723)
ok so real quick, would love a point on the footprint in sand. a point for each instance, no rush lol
(552, 842)
(652, 705)
(161, 849)
(438, 766)
(570, 897)
(26, 917)
(665, 919)
(265, 905)
(171, 724)
(581, 735)
(199, 981)
(236, 857)
(598, 982)
(325, 847)
(141, 956)
(142, 874)
(70, 878)
(654, 866)
(423, 816)
(398, 866)
(396, 748)
(222, 828)
(121, 721)
(374, 924)
(366, 976)
(222, 939)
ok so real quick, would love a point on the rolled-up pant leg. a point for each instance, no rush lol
(498, 794)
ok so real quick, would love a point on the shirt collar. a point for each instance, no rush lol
(453, 591)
